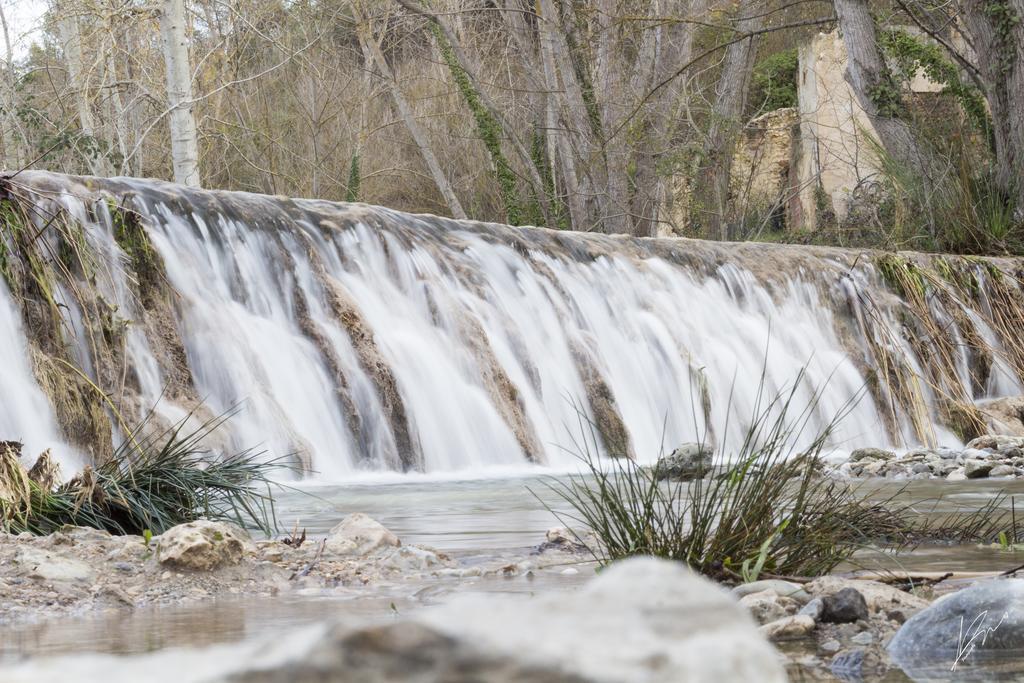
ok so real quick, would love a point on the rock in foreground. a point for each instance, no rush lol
(984, 620)
(641, 620)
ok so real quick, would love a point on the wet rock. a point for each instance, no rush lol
(787, 628)
(863, 638)
(359, 534)
(986, 618)
(1003, 471)
(977, 469)
(880, 597)
(689, 461)
(781, 588)
(813, 609)
(843, 607)
(957, 475)
(871, 453)
(996, 442)
(561, 538)
(51, 567)
(202, 545)
(764, 606)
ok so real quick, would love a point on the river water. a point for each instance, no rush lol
(474, 520)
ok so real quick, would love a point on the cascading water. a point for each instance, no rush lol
(363, 338)
(26, 415)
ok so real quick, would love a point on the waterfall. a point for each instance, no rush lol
(25, 414)
(360, 338)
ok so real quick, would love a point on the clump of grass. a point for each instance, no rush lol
(767, 511)
(153, 481)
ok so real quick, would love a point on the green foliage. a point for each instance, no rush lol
(354, 180)
(911, 53)
(488, 129)
(133, 240)
(887, 98)
(152, 482)
(902, 275)
(774, 81)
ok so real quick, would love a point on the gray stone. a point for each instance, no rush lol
(871, 453)
(843, 607)
(689, 461)
(786, 589)
(997, 442)
(52, 567)
(976, 454)
(921, 468)
(957, 475)
(202, 545)
(813, 609)
(831, 645)
(1003, 471)
(863, 638)
(986, 618)
(977, 469)
(359, 535)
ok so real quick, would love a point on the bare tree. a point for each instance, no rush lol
(711, 195)
(375, 58)
(184, 134)
(875, 89)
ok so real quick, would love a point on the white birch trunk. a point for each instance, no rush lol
(184, 135)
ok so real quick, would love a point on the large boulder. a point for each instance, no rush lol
(689, 461)
(982, 623)
(641, 620)
(359, 535)
(202, 545)
(402, 652)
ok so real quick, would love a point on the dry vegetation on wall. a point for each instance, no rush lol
(609, 116)
(951, 308)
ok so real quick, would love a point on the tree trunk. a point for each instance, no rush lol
(876, 91)
(711, 188)
(374, 56)
(71, 36)
(998, 41)
(496, 113)
(14, 155)
(184, 135)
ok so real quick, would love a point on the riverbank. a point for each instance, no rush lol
(820, 628)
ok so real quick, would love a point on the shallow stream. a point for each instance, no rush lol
(473, 520)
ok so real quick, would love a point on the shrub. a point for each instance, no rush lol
(153, 481)
(774, 81)
(766, 511)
